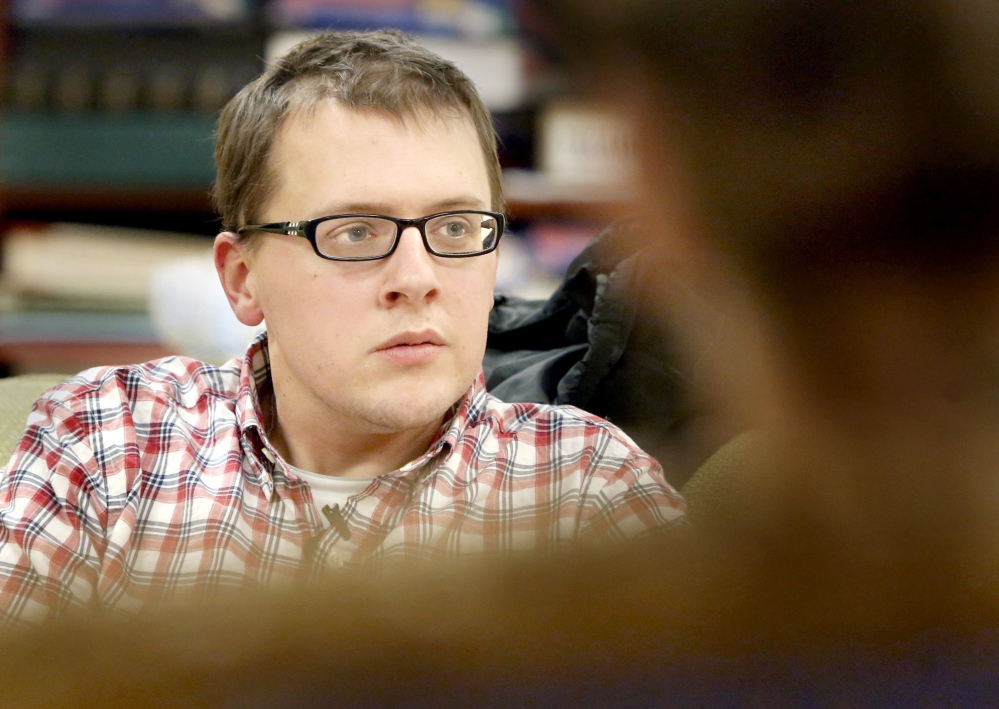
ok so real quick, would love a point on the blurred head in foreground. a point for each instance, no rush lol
(826, 177)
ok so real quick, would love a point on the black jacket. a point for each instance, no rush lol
(593, 345)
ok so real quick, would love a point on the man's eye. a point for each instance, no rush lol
(455, 228)
(357, 233)
(352, 233)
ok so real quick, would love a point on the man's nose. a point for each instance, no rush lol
(411, 271)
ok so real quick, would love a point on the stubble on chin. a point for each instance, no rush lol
(403, 411)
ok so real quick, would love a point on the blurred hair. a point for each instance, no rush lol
(818, 136)
(840, 160)
(836, 167)
(384, 71)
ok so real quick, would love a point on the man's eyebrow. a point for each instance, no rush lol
(464, 202)
(461, 202)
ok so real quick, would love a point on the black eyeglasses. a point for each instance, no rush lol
(366, 237)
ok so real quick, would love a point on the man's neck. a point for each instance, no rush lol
(330, 450)
(366, 456)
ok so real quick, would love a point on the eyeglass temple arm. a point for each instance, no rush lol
(289, 228)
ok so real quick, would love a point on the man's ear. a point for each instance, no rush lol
(233, 263)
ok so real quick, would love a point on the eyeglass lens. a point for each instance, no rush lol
(457, 233)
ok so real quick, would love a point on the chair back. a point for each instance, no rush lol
(721, 492)
(17, 394)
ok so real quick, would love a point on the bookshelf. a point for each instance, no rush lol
(108, 112)
(109, 107)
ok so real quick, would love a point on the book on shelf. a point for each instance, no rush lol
(496, 65)
(140, 151)
(478, 35)
(146, 12)
(73, 296)
(464, 18)
(585, 146)
(74, 266)
(77, 295)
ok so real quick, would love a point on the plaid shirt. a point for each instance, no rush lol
(134, 484)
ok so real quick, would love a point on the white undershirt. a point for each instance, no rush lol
(330, 490)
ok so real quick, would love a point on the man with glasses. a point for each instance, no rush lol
(360, 194)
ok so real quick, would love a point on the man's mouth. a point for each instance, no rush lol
(413, 339)
(411, 348)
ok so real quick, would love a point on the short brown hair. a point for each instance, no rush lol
(385, 70)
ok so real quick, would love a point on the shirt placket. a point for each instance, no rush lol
(297, 492)
(359, 527)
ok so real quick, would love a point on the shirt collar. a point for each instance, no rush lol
(254, 385)
(459, 419)
(462, 416)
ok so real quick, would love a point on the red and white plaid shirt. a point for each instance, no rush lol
(133, 484)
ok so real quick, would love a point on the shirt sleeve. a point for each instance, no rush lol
(629, 497)
(52, 518)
